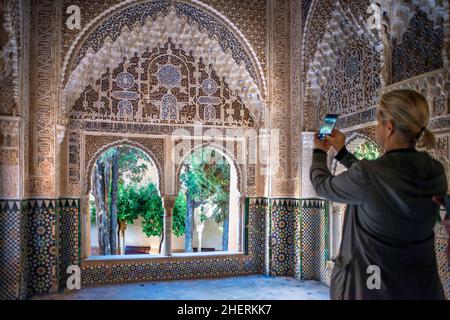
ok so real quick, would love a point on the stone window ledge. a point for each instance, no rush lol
(92, 260)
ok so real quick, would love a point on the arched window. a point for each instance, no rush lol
(208, 189)
(126, 212)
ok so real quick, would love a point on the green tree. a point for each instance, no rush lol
(367, 151)
(206, 179)
(93, 211)
(128, 204)
(109, 174)
(218, 175)
(150, 206)
(120, 197)
(145, 202)
(179, 215)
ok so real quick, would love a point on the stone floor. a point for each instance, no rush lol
(255, 287)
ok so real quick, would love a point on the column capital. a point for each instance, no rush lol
(168, 201)
(242, 199)
(9, 126)
(60, 133)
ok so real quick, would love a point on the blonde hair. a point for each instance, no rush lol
(410, 112)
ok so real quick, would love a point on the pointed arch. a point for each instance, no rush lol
(222, 151)
(123, 142)
(341, 29)
(184, 23)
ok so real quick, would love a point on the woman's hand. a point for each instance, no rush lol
(336, 139)
(321, 144)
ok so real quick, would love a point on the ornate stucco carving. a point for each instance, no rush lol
(155, 32)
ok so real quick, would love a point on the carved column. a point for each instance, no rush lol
(10, 210)
(263, 163)
(168, 204)
(296, 94)
(282, 184)
(337, 211)
(307, 152)
(45, 33)
(241, 222)
(61, 164)
(9, 157)
(86, 228)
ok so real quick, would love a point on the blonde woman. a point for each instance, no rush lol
(387, 249)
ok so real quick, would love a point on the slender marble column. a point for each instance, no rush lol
(168, 204)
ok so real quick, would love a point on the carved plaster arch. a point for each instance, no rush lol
(342, 27)
(183, 32)
(397, 16)
(400, 13)
(432, 86)
(223, 151)
(123, 142)
(306, 31)
(338, 14)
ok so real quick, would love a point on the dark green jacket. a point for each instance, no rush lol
(388, 223)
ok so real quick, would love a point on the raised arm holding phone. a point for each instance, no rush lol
(390, 214)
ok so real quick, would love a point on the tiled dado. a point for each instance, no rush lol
(284, 237)
(280, 239)
(258, 208)
(10, 249)
(284, 214)
(440, 244)
(314, 239)
(33, 248)
(297, 236)
(51, 242)
(69, 237)
(168, 269)
(42, 254)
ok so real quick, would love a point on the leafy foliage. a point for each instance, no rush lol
(93, 212)
(133, 198)
(151, 210)
(129, 204)
(179, 215)
(367, 151)
(146, 202)
(133, 162)
(207, 179)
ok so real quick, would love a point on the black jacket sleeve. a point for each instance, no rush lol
(348, 187)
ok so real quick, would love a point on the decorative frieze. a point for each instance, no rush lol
(435, 87)
(43, 93)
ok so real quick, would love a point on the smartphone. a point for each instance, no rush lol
(328, 125)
